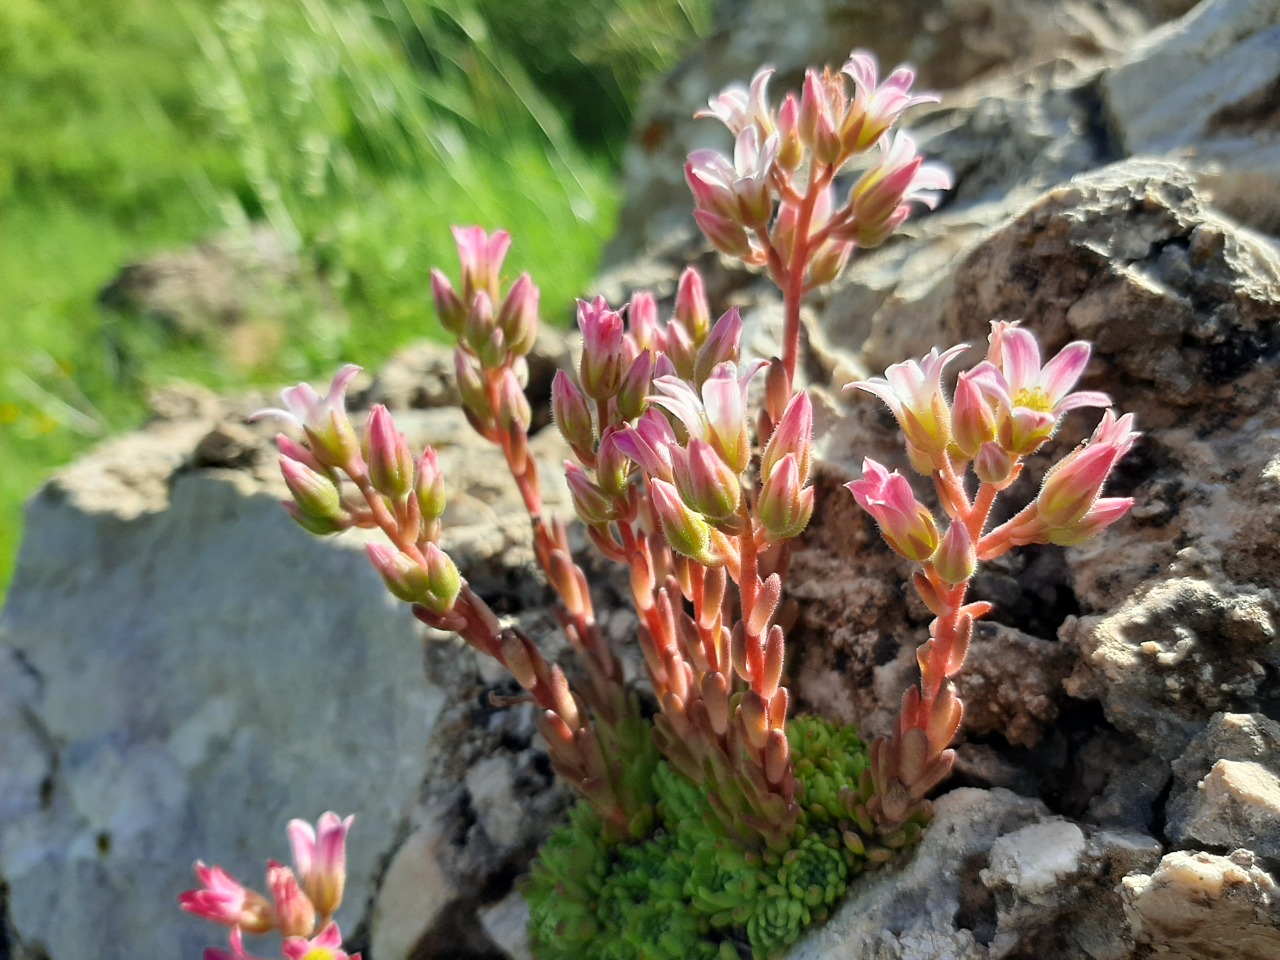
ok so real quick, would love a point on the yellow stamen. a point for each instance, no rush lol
(1035, 398)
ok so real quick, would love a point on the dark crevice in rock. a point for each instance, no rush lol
(977, 912)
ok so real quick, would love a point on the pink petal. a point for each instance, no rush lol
(1061, 373)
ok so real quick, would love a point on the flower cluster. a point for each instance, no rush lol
(1004, 409)
(775, 202)
(698, 496)
(303, 899)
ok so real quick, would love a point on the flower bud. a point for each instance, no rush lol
(479, 326)
(603, 349)
(434, 586)
(443, 580)
(389, 457)
(957, 557)
(315, 494)
(295, 914)
(906, 524)
(784, 508)
(320, 858)
(691, 310)
(1101, 515)
(642, 322)
(705, 482)
(993, 464)
(727, 236)
(972, 422)
(829, 262)
(793, 434)
(1023, 430)
(513, 406)
(723, 344)
(635, 387)
(518, 316)
(1071, 487)
(790, 147)
(613, 470)
(685, 531)
(589, 501)
(428, 486)
(451, 310)
(471, 385)
(481, 255)
(571, 413)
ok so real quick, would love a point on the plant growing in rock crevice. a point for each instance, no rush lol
(720, 824)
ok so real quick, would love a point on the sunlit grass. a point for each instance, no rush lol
(359, 131)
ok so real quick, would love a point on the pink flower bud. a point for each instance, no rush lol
(726, 235)
(428, 486)
(295, 914)
(957, 557)
(635, 387)
(710, 177)
(613, 468)
(1072, 486)
(790, 146)
(906, 524)
(513, 406)
(479, 326)
(642, 322)
(320, 858)
(320, 526)
(680, 353)
(1104, 512)
(471, 385)
(390, 460)
(316, 494)
(721, 346)
(222, 899)
(993, 464)
(603, 349)
(972, 421)
(685, 531)
(434, 586)
(705, 482)
(518, 316)
(589, 501)
(648, 444)
(829, 262)
(784, 507)
(793, 435)
(571, 413)
(449, 308)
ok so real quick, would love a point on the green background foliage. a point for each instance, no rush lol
(359, 131)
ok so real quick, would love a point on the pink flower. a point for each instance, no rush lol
(882, 196)
(223, 899)
(481, 255)
(1070, 489)
(913, 391)
(1030, 398)
(649, 443)
(876, 108)
(326, 945)
(323, 419)
(718, 416)
(738, 191)
(320, 857)
(738, 107)
(906, 524)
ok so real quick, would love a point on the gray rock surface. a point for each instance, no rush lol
(178, 680)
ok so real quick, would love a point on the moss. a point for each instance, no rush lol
(688, 892)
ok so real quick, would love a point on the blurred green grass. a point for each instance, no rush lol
(358, 130)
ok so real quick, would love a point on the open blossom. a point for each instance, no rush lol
(876, 106)
(738, 107)
(719, 415)
(882, 196)
(323, 418)
(913, 391)
(1030, 397)
(223, 899)
(326, 945)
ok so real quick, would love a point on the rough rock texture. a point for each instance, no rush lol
(1197, 906)
(1205, 87)
(997, 875)
(170, 643)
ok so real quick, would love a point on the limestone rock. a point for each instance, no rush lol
(994, 875)
(171, 640)
(1198, 906)
(1205, 87)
